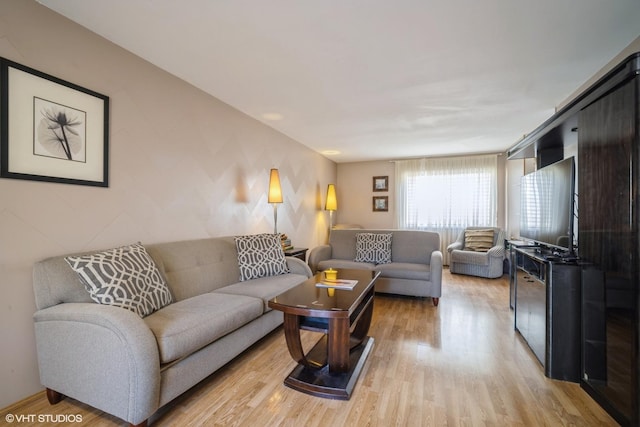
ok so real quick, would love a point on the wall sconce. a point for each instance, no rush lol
(331, 204)
(275, 196)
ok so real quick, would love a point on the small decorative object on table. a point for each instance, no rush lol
(286, 242)
(337, 283)
(331, 274)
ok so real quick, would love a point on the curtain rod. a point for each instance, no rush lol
(447, 157)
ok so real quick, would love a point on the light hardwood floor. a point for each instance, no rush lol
(460, 364)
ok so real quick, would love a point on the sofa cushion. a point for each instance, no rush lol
(470, 257)
(123, 277)
(404, 270)
(188, 325)
(373, 247)
(196, 267)
(414, 246)
(260, 255)
(343, 263)
(478, 240)
(264, 288)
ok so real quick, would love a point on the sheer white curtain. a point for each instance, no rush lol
(446, 195)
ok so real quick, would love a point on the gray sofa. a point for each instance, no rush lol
(416, 261)
(129, 366)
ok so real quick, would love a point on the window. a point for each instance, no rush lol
(447, 193)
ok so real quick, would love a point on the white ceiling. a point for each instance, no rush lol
(376, 79)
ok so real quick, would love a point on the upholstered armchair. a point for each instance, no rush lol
(478, 251)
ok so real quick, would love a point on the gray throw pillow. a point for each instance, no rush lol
(373, 247)
(123, 277)
(260, 255)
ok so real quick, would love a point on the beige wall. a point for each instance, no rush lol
(354, 189)
(183, 165)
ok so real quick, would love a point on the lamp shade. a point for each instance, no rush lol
(332, 203)
(275, 191)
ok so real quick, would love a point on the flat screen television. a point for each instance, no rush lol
(546, 206)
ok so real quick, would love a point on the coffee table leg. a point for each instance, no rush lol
(362, 328)
(292, 335)
(338, 345)
(314, 359)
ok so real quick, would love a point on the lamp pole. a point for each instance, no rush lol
(275, 218)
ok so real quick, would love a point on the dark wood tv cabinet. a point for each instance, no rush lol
(547, 311)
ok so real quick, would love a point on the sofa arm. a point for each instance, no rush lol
(317, 254)
(297, 266)
(496, 252)
(455, 245)
(435, 266)
(101, 355)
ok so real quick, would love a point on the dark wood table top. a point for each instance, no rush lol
(307, 299)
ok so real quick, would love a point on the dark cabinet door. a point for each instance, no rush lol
(531, 312)
(522, 305)
(537, 318)
(563, 322)
(608, 242)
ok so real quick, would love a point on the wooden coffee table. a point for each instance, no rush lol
(331, 368)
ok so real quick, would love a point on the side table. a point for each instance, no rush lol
(300, 253)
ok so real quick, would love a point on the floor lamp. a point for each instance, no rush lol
(275, 196)
(331, 204)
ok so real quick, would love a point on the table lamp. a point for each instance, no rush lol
(331, 204)
(275, 196)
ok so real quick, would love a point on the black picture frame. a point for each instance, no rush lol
(50, 129)
(380, 203)
(380, 183)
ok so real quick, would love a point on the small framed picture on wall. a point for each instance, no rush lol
(380, 203)
(380, 183)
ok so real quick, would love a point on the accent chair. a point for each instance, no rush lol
(478, 251)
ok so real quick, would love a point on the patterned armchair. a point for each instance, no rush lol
(478, 252)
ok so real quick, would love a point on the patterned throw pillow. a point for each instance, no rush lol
(123, 277)
(373, 247)
(260, 255)
(478, 240)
